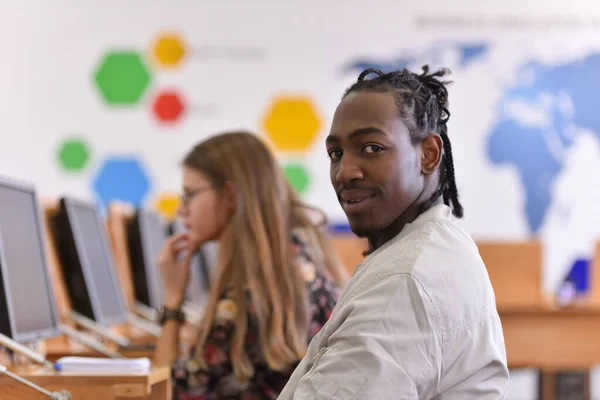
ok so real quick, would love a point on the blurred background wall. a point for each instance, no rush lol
(101, 99)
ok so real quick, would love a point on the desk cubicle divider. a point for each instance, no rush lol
(515, 270)
(594, 297)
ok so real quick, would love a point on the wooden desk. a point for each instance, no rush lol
(595, 277)
(552, 339)
(59, 347)
(134, 334)
(350, 250)
(153, 386)
(515, 270)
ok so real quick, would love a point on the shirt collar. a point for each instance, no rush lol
(437, 213)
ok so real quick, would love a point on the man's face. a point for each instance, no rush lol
(375, 169)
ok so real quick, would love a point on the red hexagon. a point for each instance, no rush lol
(168, 106)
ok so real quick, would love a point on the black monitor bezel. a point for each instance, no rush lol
(140, 251)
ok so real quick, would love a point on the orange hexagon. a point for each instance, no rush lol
(292, 123)
(167, 204)
(169, 50)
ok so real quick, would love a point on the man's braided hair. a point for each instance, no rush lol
(422, 101)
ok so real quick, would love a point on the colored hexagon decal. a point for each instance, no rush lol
(169, 50)
(292, 123)
(122, 179)
(298, 177)
(168, 106)
(122, 78)
(167, 204)
(73, 155)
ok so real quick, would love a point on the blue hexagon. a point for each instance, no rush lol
(122, 179)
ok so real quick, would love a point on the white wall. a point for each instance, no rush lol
(51, 49)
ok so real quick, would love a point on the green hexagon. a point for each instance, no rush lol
(298, 176)
(122, 77)
(73, 155)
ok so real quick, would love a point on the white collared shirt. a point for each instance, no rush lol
(417, 320)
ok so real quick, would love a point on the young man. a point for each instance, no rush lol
(418, 319)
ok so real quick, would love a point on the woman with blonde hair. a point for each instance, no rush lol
(276, 282)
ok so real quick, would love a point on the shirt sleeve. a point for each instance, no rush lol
(387, 347)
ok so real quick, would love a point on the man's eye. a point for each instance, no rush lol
(372, 148)
(335, 154)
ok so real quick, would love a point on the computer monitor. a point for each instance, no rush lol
(146, 235)
(88, 264)
(201, 266)
(28, 310)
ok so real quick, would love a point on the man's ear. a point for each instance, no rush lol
(432, 149)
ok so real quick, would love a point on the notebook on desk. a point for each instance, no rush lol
(104, 365)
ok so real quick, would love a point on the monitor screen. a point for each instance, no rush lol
(153, 234)
(24, 265)
(96, 262)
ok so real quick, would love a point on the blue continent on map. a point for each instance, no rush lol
(531, 149)
(528, 147)
(467, 53)
(471, 52)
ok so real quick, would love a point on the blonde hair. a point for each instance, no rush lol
(256, 252)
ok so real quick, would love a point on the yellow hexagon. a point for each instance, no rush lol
(167, 204)
(292, 123)
(169, 50)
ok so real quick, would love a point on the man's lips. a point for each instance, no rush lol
(354, 196)
(356, 201)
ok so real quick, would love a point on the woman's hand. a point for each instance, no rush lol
(174, 265)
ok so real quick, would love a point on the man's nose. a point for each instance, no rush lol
(348, 170)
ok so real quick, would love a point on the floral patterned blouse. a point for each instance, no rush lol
(218, 381)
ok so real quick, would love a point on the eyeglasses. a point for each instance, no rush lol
(187, 197)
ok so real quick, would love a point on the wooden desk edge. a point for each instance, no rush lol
(45, 376)
(159, 374)
(583, 310)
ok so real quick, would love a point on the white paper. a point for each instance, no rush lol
(92, 364)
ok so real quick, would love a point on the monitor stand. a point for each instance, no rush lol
(146, 312)
(88, 342)
(62, 395)
(144, 325)
(98, 329)
(67, 331)
(24, 350)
